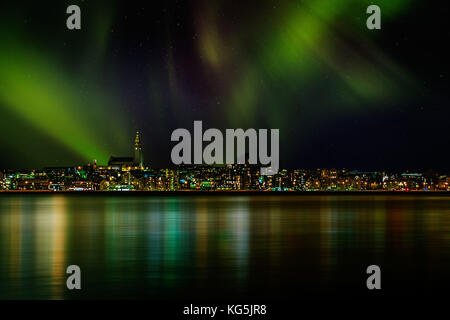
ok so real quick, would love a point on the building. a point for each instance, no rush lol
(138, 156)
(121, 163)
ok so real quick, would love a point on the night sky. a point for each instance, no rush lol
(341, 95)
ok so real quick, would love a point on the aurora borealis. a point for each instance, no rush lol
(341, 95)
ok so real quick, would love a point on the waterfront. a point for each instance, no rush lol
(236, 246)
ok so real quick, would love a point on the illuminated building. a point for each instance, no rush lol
(119, 163)
(138, 156)
(129, 163)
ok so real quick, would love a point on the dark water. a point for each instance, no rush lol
(191, 247)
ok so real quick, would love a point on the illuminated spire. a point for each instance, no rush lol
(137, 140)
(138, 156)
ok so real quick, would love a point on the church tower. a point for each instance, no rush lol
(138, 156)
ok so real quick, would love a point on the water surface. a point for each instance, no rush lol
(188, 247)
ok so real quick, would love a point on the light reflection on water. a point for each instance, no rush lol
(220, 246)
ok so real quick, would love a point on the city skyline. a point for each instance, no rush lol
(130, 173)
